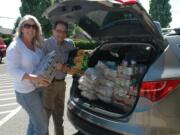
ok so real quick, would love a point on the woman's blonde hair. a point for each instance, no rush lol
(38, 36)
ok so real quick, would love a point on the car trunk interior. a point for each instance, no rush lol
(142, 53)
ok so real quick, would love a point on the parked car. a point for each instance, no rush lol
(170, 31)
(139, 70)
(3, 47)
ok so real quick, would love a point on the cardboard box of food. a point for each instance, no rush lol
(46, 67)
(77, 61)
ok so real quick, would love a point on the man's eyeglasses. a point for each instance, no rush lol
(28, 26)
(61, 31)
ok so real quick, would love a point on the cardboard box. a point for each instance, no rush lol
(46, 67)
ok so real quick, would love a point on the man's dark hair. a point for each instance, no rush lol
(60, 22)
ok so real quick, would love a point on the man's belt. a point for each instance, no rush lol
(57, 80)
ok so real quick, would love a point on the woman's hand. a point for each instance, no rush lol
(42, 81)
(37, 78)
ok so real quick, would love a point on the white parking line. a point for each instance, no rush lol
(5, 74)
(4, 112)
(6, 79)
(3, 99)
(7, 99)
(5, 87)
(6, 90)
(9, 116)
(4, 94)
(11, 104)
(6, 83)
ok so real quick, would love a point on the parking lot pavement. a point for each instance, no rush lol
(68, 128)
(8, 104)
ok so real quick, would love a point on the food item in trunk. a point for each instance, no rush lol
(112, 83)
(89, 95)
(104, 98)
(92, 73)
(88, 83)
(110, 73)
(73, 71)
(94, 80)
(104, 90)
(77, 61)
(129, 77)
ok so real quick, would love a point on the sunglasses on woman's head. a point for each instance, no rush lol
(28, 26)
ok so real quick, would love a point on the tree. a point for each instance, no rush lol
(36, 8)
(16, 25)
(160, 11)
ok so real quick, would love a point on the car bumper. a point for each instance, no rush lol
(87, 127)
(95, 125)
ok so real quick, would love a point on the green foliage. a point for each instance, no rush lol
(6, 38)
(160, 11)
(71, 30)
(36, 8)
(16, 25)
(85, 44)
(78, 29)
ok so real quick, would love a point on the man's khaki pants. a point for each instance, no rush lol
(53, 100)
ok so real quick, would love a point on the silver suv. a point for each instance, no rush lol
(132, 83)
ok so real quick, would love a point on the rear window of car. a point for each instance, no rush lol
(102, 18)
(99, 20)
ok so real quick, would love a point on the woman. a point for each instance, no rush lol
(23, 55)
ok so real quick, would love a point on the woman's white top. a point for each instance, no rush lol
(21, 60)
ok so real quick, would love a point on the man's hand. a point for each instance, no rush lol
(62, 67)
(65, 68)
(43, 81)
(58, 66)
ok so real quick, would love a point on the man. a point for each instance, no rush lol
(55, 93)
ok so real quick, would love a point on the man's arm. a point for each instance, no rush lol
(45, 47)
(71, 44)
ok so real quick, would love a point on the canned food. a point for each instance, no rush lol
(129, 71)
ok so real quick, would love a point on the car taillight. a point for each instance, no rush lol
(156, 90)
(3, 46)
(127, 2)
